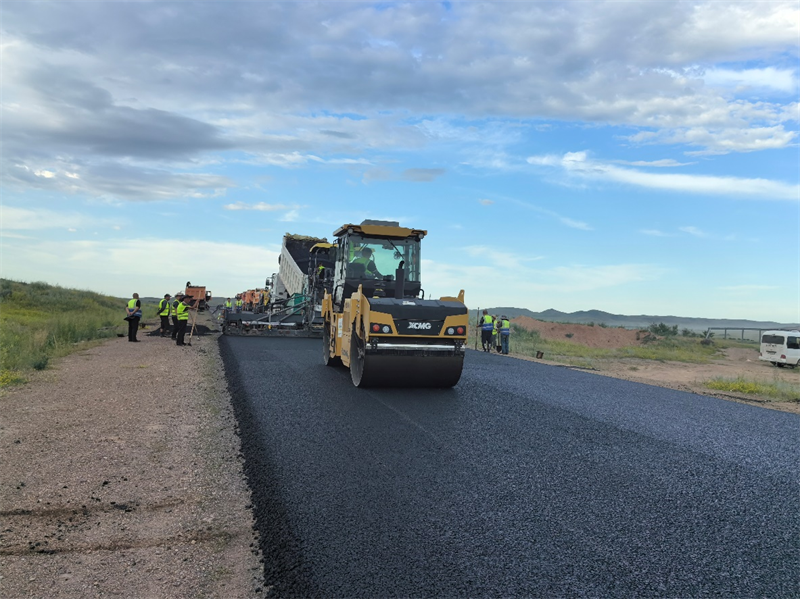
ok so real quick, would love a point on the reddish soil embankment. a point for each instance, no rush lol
(591, 336)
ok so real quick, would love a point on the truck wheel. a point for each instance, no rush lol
(326, 348)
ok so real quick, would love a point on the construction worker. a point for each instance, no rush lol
(183, 318)
(227, 308)
(487, 326)
(370, 270)
(239, 304)
(134, 315)
(164, 310)
(175, 303)
(496, 335)
(505, 333)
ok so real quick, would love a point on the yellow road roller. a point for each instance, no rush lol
(376, 320)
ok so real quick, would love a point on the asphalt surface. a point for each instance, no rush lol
(525, 480)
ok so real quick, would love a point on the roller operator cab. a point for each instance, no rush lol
(376, 320)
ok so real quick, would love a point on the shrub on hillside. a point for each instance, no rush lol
(663, 330)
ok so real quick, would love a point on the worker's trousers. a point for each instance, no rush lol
(504, 342)
(133, 326)
(486, 340)
(181, 332)
(174, 326)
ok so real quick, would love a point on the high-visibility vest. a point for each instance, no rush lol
(132, 306)
(163, 307)
(183, 311)
(488, 323)
(505, 327)
(239, 302)
(228, 304)
(175, 304)
(369, 264)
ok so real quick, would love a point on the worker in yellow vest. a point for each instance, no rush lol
(174, 311)
(164, 310)
(239, 304)
(183, 318)
(227, 308)
(486, 324)
(370, 270)
(505, 333)
(134, 315)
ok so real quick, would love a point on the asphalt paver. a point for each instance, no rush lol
(524, 480)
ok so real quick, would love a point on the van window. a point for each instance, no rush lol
(776, 339)
(793, 343)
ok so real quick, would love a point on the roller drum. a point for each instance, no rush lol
(403, 370)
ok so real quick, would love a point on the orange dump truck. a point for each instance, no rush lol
(200, 297)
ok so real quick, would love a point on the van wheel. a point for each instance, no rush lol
(779, 365)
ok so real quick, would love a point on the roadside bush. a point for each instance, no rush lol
(663, 330)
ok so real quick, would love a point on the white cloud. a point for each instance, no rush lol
(485, 202)
(579, 165)
(27, 219)
(721, 141)
(557, 285)
(664, 163)
(290, 216)
(260, 207)
(432, 62)
(504, 260)
(701, 234)
(106, 266)
(694, 231)
(784, 80)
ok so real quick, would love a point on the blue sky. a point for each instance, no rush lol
(632, 157)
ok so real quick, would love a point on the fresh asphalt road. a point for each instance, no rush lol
(524, 480)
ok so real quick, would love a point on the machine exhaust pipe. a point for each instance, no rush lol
(400, 281)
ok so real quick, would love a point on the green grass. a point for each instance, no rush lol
(775, 390)
(672, 349)
(39, 322)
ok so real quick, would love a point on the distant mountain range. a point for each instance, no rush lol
(641, 321)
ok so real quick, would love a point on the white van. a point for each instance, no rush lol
(780, 347)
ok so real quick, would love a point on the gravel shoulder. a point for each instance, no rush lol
(122, 477)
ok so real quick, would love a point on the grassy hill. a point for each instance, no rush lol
(40, 321)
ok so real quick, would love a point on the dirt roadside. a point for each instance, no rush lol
(121, 477)
(733, 363)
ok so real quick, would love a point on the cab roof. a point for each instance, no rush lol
(376, 228)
